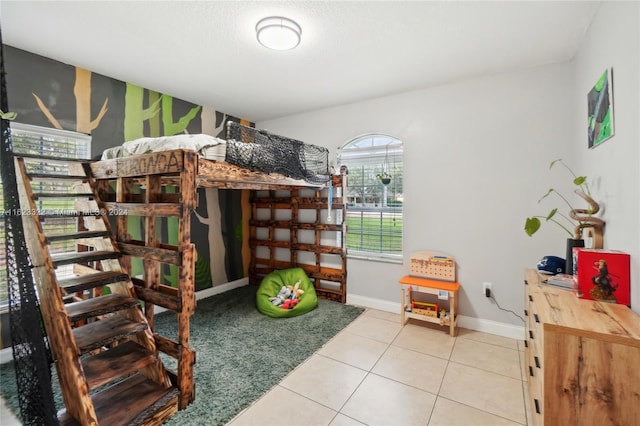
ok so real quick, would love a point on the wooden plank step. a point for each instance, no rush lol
(76, 235)
(144, 209)
(81, 257)
(108, 330)
(38, 195)
(68, 298)
(88, 281)
(156, 254)
(57, 214)
(171, 302)
(101, 305)
(50, 158)
(134, 401)
(116, 362)
(55, 176)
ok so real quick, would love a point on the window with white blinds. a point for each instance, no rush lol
(28, 139)
(374, 196)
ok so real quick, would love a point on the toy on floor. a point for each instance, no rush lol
(271, 286)
(279, 299)
(289, 304)
(296, 291)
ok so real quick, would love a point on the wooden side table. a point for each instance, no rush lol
(424, 285)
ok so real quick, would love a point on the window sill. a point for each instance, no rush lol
(369, 257)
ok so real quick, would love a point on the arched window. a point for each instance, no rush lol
(374, 196)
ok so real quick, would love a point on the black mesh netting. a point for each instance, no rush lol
(31, 354)
(262, 151)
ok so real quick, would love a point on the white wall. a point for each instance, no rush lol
(476, 158)
(613, 40)
(476, 161)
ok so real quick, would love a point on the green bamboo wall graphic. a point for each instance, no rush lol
(174, 127)
(135, 115)
(135, 119)
(171, 223)
(54, 94)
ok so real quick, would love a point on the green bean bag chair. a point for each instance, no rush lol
(271, 285)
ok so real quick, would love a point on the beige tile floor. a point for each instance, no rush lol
(377, 372)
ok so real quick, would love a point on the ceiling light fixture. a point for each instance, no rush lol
(278, 33)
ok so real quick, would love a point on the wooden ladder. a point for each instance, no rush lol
(105, 353)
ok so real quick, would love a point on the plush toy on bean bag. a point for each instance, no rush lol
(296, 291)
(281, 297)
(289, 304)
(272, 287)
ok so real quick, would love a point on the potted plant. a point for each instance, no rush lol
(384, 177)
(580, 220)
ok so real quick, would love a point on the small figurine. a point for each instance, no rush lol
(602, 290)
(602, 280)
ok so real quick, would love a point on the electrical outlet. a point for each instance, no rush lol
(486, 289)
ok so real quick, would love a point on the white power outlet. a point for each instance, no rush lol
(485, 287)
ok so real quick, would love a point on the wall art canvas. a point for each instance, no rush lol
(600, 107)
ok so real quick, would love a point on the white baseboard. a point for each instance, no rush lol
(6, 354)
(370, 302)
(492, 327)
(212, 291)
(471, 323)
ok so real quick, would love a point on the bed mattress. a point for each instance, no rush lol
(205, 146)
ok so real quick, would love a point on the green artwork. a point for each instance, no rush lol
(600, 116)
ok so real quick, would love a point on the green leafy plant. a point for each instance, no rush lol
(384, 177)
(577, 218)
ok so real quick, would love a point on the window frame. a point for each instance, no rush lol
(369, 159)
(48, 136)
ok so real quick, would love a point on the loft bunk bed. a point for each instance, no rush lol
(109, 358)
(298, 217)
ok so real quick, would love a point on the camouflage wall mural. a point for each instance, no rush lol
(48, 93)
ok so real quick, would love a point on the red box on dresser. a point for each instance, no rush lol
(602, 275)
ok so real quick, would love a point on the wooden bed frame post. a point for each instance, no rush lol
(150, 173)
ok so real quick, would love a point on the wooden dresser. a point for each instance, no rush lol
(583, 358)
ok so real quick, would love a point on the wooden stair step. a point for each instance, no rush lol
(83, 256)
(77, 235)
(120, 361)
(57, 214)
(38, 195)
(108, 330)
(88, 281)
(134, 401)
(69, 298)
(54, 176)
(100, 305)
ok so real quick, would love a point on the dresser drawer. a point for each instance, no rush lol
(581, 358)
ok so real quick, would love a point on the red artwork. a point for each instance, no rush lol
(602, 275)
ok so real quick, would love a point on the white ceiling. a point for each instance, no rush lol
(206, 52)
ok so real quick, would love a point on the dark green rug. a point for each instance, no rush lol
(240, 355)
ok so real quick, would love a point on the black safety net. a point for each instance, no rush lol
(259, 150)
(31, 355)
